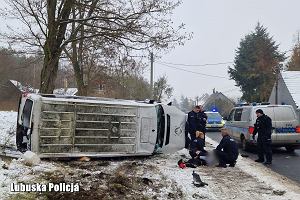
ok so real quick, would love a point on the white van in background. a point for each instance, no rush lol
(286, 128)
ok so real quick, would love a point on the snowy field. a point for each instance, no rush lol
(8, 122)
(155, 177)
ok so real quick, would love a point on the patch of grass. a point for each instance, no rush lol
(23, 196)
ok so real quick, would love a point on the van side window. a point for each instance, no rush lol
(238, 114)
(245, 115)
(284, 114)
(26, 114)
(230, 118)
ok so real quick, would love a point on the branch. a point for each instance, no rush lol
(36, 18)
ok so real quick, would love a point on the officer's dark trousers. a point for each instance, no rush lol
(264, 149)
(224, 158)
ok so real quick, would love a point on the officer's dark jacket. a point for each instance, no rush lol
(263, 126)
(198, 145)
(229, 146)
(196, 121)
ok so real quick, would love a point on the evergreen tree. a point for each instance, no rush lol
(255, 62)
(294, 62)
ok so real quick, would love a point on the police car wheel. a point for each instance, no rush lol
(290, 149)
(244, 144)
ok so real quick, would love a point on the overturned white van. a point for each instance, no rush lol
(62, 126)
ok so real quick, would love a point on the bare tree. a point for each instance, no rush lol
(20, 68)
(162, 89)
(127, 26)
(57, 25)
(46, 23)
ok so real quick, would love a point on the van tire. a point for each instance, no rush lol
(244, 144)
(290, 149)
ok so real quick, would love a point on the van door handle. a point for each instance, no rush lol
(153, 130)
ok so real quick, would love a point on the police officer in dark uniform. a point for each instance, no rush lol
(197, 149)
(227, 151)
(196, 121)
(197, 146)
(263, 126)
(203, 120)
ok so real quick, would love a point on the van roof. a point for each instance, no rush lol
(82, 99)
(263, 106)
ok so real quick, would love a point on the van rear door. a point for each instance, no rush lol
(285, 125)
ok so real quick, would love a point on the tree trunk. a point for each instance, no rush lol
(82, 89)
(49, 73)
(53, 44)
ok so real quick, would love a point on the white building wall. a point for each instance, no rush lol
(284, 96)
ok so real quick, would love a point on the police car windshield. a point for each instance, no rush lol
(214, 115)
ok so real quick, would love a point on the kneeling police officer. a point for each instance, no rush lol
(227, 151)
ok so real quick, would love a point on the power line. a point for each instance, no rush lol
(196, 65)
(206, 64)
(202, 74)
(229, 90)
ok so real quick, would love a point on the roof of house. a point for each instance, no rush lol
(292, 81)
(217, 95)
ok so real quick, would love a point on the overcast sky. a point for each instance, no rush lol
(218, 27)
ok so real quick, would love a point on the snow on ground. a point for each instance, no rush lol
(155, 177)
(15, 171)
(246, 181)
(267, 176)
(8, 123)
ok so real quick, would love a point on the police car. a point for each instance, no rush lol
(285, 131)
(214, 120)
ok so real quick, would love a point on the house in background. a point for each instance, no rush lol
(219, 102)
(288, 90)
(9, 96)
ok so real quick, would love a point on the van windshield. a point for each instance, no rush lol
(160, 125)
(26, 114)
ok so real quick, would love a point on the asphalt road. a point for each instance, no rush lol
(284, 163)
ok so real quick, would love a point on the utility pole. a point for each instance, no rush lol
(151, 73)
(276, 84)
(197, 100)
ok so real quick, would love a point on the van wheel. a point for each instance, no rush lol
(244, 144)
(290, 149)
